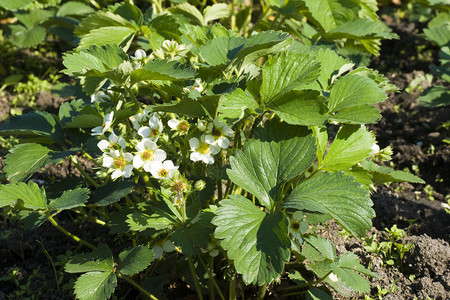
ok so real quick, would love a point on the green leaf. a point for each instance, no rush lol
(100, 259)
(101, 19)
(323, 249)
(330, 13)
(111, 192)
(220, 51)
(74, 8)
(435, 96)
(191, 238)
(318, 294)
(121, 36)
(162, 70)
(24, 159)
(332, 63)
(79, 114)
(135, 260)
(381, 174)
(438, 34)
(34, 124)
(30, 195)
(286, 72)
(337, 195)
(95, 285)
(70, 199)
(139, 221)
(300, 107)
(278, 153)
(22, 37)
(14, 5)
(190, 11)
(362, 114)
(31, 18)
(354, 90)
(186, 107)
(352, 144)
(361, 29)
(258, 243)
(215, 12)
(234, 106)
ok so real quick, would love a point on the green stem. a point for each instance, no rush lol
(71, 235)
(140, 288)
(194, 276)
(211, 277)
(133, 97)
(300, 286)
(262, 291)
(83, 172)
(92, 218)
(283, 18)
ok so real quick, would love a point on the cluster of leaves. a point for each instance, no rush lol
(257, 205)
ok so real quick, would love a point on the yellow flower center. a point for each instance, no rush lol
(203, 148)
(119, 163)
(163, 173)
(147, 155)
(184, 126)
(154, 132)
(217, 132)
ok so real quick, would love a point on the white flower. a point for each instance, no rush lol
(375, 148)
(202, 125)
(99, 97)
(163, 170)
(219, 133)
(148, 153)
(154, 130)
(139, 118)
(107, 122)
(198, 86)
(333, 277)
(202, 151)
(139, 55)
(118, 162)
(182, 127)
(161, 247)
(113, 143)
(158, 53)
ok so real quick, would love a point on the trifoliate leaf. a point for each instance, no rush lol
(95, 285)
(258, 243)
(23, 37)
(354, 90)
(337, 195)
(345, 272)
(100, 259)
(191, 238)
(304, 107)
(162, 70)
(352, 144)
(30, 195)
(278, 153)
(286, 72)
(135, 260)
(111, 192)
(70, 199)
(36, 124)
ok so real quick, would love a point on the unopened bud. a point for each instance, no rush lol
(200, 185)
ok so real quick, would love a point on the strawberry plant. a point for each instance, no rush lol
(209, 156)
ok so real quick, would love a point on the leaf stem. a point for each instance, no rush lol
(83, 172)
(194, 276)
(133, 97)
(211, 277)
(140, 288)
(71, 235)
(262, 291)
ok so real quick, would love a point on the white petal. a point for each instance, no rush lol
(214, 149)
(150, 145)
(209, 139)
(103, 144)
(137, 161)
(195, 156)
(218, 123)
(113, 138)
(194, 143)
(116, 174)
(168, 246)
(108, 161)
(227, 131)
(122, 143)
(173, 123)
(168, 164)
(127, 171)
(140, 54)
(128, 156)
(157, 251)
(208, 159)
(144, 131)
(223, 142)
(97, 130)
(159, 155)
(148, 166)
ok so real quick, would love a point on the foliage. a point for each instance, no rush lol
(211, 142)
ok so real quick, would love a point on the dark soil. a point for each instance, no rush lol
(416, 137)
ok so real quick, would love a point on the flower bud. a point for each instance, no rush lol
(200, 185)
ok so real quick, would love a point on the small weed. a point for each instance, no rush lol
(382, 292)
